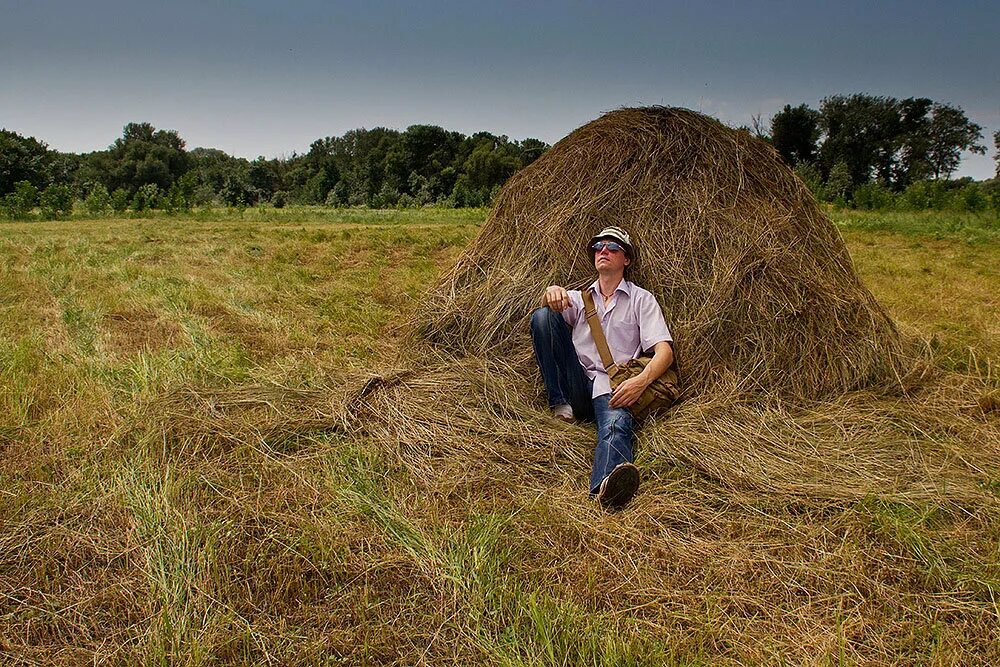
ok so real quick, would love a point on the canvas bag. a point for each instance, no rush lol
(659, 395)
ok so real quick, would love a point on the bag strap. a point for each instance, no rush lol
(590, 309)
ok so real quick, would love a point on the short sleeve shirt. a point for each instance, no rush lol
(632, 322)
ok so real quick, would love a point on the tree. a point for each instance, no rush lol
(862, 132)
(951, 132)
(996, 144)
(22, 159)
(98, 201)
(913, 163)
(838, 185)
(19, 203)
(56, 202)
(531, 150)
(490, 164)
(794, 133)
(144, 155)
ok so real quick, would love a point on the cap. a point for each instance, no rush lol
(618, 234)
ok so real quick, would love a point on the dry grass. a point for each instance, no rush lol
(236, 487)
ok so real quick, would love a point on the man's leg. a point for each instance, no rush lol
(565, 381)
(615, 435)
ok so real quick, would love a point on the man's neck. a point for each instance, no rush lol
(608, 282)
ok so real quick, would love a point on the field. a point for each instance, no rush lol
(174, 488)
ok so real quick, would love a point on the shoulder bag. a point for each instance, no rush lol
(659, 395)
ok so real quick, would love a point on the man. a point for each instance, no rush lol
(575, 379)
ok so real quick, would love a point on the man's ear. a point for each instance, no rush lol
(628, 260)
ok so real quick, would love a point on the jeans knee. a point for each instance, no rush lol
(542, 318)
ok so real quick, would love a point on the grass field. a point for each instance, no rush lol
(145, 516)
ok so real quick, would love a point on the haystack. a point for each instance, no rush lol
(754, 280)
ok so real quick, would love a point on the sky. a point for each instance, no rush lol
(268, 78)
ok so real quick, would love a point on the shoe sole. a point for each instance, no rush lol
(621, 486)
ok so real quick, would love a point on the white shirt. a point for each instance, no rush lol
(632, 322)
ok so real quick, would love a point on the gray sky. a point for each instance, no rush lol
(268, 78)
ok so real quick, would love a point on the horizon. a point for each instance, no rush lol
(259, 80)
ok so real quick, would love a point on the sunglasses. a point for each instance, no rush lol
(598, 246)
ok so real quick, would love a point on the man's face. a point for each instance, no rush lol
(606, 259)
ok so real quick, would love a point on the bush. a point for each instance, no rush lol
(18, 204)
(279, 199)
(970, 198)
(386, 198)
(464, 195)
(119, 201)
(924, 195)
(98, 201)
(838, 184)
(56, 202)
(146, 197)
(809, 174)
(873, 197)
(175, 201)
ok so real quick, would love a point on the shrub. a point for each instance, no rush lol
(279, 199)
(970, 198)
(873, 196)
(146, 197)
(809, 174)
(838, 184)
(386, 198)
(98, 201)
(119, 201)
(19, 203)
(175, 201)
(56, 202)
(924, 195)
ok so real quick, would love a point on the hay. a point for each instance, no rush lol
(754, 280)
(813, 431)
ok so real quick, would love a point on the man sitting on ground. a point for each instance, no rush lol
(575, 379)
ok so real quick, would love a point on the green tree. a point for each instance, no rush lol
(19, 203)
(809, 173)
(862, 132)
(531, 150)
(56, 202)
(489, 165)
(98, 201)
(996, 144)
(795, 132)
(120, 201)
(913, 162)
(146, 197)
(950, 133)
(838, 184)
(144, 155)
(23, 159)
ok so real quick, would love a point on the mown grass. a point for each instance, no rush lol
(145, 523)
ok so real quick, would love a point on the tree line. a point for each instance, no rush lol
(148, 168)
(861, 150)
(877, 152)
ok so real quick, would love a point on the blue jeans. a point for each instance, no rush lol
(567, 384)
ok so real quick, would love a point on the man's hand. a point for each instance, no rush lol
(556, 298)
(628, 392)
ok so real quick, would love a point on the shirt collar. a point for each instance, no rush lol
(623, 286)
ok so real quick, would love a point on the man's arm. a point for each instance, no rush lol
(629, 391)
(556, 298)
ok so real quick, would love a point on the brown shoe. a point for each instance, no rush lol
(619, 487)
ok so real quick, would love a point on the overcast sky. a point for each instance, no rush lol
(267, 78)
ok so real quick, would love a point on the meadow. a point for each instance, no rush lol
(147, 517)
